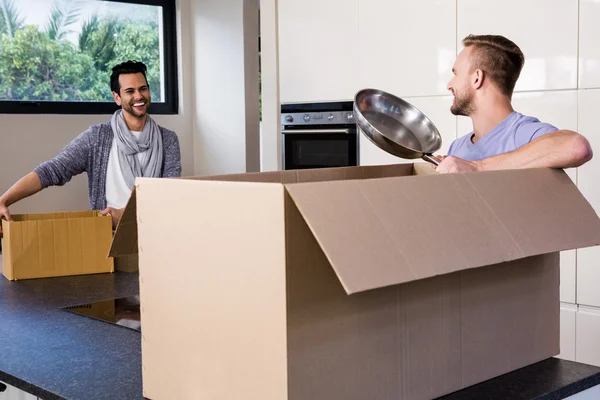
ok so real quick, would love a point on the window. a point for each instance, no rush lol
(56, 56)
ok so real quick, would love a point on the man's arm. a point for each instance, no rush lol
(560, 149)
(172, 157)
(72, 160)
(28, 185)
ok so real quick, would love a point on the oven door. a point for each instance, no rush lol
(322, 148)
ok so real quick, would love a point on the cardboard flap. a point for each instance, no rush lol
(387, 231)
(125, 239)
(541, 209)
(320, 174)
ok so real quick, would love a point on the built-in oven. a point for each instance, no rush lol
(318, 135)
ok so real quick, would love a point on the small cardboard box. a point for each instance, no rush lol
(386, 282)
(56, 244)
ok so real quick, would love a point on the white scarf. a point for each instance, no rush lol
(128, 146)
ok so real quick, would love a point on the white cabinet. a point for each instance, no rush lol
(568, 276)
(592, 393)
(328, 50)
(407, 47)
(568, 314)
(587, 177)
(587, 336)
(588, 276)
(12, 393)
(550, 51)
(589, 37)
(318, 52)
(588, 259)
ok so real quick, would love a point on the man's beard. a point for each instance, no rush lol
(462, 104)
(129, 108)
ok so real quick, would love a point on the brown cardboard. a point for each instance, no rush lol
(56, 244)
(126, 263)
(124, 241)
(350, 283)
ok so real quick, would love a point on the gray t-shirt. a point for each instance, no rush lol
(515, 131)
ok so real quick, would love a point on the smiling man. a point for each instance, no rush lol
(485, 74)
(131, 144)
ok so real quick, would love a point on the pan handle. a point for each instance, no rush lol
(431, 159)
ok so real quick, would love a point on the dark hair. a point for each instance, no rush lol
(496, 55)
(128, 67)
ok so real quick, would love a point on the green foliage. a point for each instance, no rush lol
(34, 67)
(43, 65)
(64, 13)
(139, 42)
(97, 38)
(10, 19)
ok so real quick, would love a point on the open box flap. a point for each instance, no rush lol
(393, 230)
(125, 239)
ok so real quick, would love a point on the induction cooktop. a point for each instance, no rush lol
(124, 311)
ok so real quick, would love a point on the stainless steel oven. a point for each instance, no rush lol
(318, 135)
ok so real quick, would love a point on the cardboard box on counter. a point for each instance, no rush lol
(56, 244)
(348, 283)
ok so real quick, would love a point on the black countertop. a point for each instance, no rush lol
(55, 354)
(551, 379)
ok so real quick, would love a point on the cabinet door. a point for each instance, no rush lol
(588, 259)
(551, 53)
(12, 393)
(589, 51)
(568, 315)
(588, 276)
(318, 52)
(568, 276)
(587, 350)
(592, 393)
(407, 47)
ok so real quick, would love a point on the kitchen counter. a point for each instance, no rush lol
(56, 354)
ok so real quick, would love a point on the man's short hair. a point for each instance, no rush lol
(499, 57)
(128, 67)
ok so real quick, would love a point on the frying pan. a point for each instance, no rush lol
(396, 126)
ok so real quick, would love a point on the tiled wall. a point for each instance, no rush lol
(329, 49)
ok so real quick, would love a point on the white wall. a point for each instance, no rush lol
(408, 47)
(270, 138)
(226, 124)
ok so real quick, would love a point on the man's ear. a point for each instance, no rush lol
(117, 98)
(477, 78)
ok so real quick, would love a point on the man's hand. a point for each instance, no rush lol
(4, 214)
(115, 213)
(451, 164)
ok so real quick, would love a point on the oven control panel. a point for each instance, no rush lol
(318, 118)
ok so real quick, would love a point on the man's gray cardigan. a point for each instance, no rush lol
(89, 152)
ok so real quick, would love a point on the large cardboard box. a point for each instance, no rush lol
(56, 244)
(385, 282)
